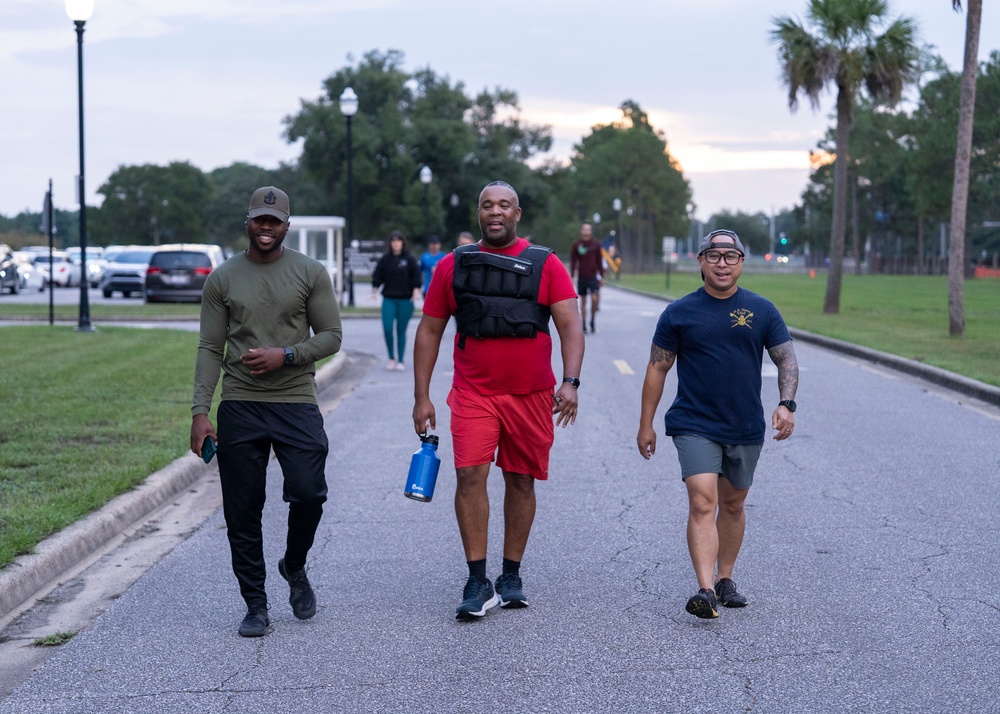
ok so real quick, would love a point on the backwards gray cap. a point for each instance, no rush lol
(721, 239)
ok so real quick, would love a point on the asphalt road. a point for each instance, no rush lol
(870, 562)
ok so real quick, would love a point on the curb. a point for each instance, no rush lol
(26, 577)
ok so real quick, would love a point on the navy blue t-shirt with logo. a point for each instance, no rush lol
(720, 346)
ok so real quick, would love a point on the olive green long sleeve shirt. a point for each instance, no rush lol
(246, 305)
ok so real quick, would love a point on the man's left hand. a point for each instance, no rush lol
(565, 405)
(783, 422)
(261, 360)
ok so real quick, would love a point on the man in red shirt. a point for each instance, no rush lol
(502, 398)
(586, 264)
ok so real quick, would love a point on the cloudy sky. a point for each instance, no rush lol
(210, 81)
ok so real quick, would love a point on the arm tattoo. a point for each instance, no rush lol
(783, 357)
(658, 354)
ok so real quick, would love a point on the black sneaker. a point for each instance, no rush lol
(702, 604)
(302, 599)
(509, 590)
(477, 598)
(256, 623)
(725, 589)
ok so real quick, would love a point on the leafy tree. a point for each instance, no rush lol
(25, 229)
(879, 154)
(817, 198)
(150, 205)
(627, 160)
(934, 131)
(934, 123)
(404, 122)
(753, 229)
(845, 49)
(380, 141)
(901, 167)
(504, 145)
(233, 186)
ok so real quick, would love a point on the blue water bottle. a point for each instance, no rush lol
(423, 470)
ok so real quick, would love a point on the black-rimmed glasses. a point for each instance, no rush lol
(732, 257)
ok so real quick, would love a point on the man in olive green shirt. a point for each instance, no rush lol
(267, 315)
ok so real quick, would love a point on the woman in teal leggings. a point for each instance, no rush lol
(398, 274)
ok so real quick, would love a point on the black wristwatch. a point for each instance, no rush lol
(575, 381)
(290, 358)
(789, 404)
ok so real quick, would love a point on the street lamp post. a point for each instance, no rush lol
(616, 205)
(79, 12)
(425, 179)
(453, 201)
(349, 107)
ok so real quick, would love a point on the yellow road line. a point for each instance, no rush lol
(623, 367)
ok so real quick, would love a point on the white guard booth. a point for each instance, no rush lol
(322, 238)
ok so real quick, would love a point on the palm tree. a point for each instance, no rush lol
(963, 152)
(847, 50)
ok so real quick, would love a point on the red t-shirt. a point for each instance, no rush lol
(501, 365)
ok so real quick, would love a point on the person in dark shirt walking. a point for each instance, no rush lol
(398, 274)
(717, 335)
(586, 264)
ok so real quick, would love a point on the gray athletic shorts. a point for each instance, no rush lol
(735, 462)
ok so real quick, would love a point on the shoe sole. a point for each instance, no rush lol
(700, 608)
(469, 615)
(513, 604)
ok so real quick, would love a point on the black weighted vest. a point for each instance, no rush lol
(497, 295)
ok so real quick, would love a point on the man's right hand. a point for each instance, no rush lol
(646, 441)
(423, 416)
(201, 427)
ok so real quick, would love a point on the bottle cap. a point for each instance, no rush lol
(432, 439)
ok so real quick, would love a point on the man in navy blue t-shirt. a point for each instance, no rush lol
(717, 335)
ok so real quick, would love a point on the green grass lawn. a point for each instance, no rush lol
(87, 416)
(899, 314)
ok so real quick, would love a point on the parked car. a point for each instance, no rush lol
(177, 273)
(32, 277)
(95, 266)
(125, 272)
(61, 272)
(9, 277)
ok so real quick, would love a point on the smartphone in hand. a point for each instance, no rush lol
(208, 449)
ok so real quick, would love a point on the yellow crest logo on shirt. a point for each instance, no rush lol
(741, 318)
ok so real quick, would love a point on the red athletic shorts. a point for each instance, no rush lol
(518, 428)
